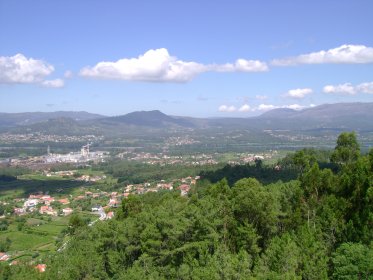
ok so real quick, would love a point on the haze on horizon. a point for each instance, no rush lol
(233, 58)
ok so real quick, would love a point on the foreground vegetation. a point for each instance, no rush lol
(318, 226)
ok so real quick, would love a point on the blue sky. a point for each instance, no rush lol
(192, 58)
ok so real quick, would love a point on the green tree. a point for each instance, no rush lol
(353, 261)
(254, 204)
(75, 223)
(347, 149)
(281, 260)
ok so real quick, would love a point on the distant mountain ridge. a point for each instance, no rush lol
(336, 117)
(28, 118)
(326, 110)
(153, 118)
(353, 116)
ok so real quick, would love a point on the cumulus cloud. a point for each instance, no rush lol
(349, 89)
(296, 106)
(346, 88)
(244, 108)
(365, 88)
(57, 83)
(227, 109)
(267, 107)
(261, 107)
(298, 93)
(241, 65)
(19, 69)
(159, 66)
(349, 54)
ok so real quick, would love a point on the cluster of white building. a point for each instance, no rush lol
(30, 205)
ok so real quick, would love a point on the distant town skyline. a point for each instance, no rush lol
(192, 58)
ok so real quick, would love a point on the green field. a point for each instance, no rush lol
(39, 237)
(35, 240)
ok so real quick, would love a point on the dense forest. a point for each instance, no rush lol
(315, 225)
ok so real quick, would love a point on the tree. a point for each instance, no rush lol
(75, 222)
(370, 157)
(353, 261)
(281, 260)
(254, 204)
(5, 244)
(347, 149)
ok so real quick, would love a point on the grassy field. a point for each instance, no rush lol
(37, 238)
(22, 241)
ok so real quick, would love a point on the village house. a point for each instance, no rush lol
(31, 203)
(140, 190)
(45, 209)
(64, 201)
(67, 211)
(95, 195)
(109, 215)
(4, 257)
(35, 196)
(47, 200)
(184, 189)
(41, 267)
(113, 202)
(19, 211)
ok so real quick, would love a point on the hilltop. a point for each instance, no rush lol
(332, 117)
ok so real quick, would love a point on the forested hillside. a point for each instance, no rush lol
(318, 226)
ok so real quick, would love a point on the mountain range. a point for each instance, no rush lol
(335, 117)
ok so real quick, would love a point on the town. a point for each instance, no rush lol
(43, 218)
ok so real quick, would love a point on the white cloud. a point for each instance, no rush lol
(365, 88)
(295, 106)
(241, 65)
(298, 93)
(349, 89)
(344, 54)
(57, 83)
(244, 108)
(346, 88)
(226, 108)
(153, 66)
(262, 107)
(19, 69)
(158, 66)
(266, 107)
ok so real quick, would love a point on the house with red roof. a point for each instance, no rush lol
(45, 209)
(41, 267)
(4, 257)
(64, 201)
(184, 188)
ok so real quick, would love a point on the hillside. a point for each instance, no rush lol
(344, 116)
(333, 117)
(23, 119)
(153, 118)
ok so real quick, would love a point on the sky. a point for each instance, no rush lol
(186, 58)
